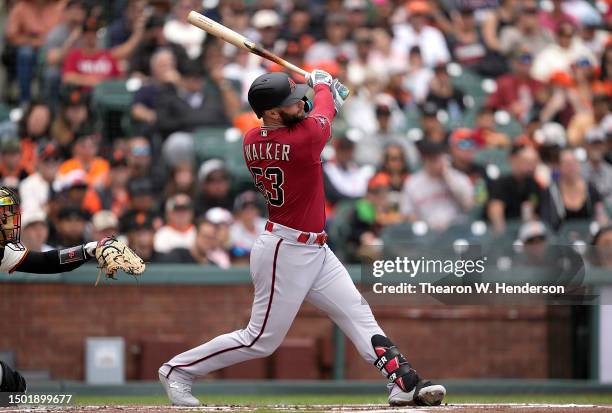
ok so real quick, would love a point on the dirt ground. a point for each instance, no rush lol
(454, 408)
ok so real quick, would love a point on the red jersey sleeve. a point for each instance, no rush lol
(70, 62)
(319, 121)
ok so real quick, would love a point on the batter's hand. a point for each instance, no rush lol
(340, 94)
(318, 77)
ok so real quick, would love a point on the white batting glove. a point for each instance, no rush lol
(340, 94)
(317, 77)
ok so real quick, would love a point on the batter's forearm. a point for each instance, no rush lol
(55, 261)
(324, 102)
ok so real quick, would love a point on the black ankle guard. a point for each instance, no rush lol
(12, 381)
(393, 364)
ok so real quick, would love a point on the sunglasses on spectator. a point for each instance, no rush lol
(583, 63)
(466, 144)
(141, 151)
(525, 58)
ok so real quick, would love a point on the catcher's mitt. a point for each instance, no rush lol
(113, 255)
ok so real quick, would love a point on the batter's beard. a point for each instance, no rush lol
(291, 120)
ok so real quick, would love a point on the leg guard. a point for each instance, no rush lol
(393, 364)
(12, 381)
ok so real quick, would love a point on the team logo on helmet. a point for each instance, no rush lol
(291, 84)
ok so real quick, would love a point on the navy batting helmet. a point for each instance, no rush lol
(272, 90)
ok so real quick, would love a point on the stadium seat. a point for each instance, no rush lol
(576, 230)
(494, 156)
(112, 101)
(340, 228)
(4, 112)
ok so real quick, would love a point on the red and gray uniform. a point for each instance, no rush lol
(290, 261)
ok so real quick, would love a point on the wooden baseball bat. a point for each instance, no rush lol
(238, 40)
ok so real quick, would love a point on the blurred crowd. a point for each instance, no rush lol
(409, 144)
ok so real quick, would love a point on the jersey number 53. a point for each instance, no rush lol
(270, 181)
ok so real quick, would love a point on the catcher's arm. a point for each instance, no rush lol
(55, 261)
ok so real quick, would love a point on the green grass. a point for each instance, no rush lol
(348, 399)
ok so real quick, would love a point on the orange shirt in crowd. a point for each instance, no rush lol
(30, 19)
(97, 173)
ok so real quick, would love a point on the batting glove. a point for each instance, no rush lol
(340, 94)
(317, 77)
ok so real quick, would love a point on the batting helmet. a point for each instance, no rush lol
(10, 217)
(272, 90)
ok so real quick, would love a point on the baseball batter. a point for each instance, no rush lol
(291, 262)
(14, 256)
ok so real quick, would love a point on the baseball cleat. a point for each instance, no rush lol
(179, 393)
(425, 393)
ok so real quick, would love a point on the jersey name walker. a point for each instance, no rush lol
(286, 166)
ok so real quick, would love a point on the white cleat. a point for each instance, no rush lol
(425, 393)
(179, 393)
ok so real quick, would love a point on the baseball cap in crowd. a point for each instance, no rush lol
(354, 5)
(140, 186)
(136, 220)
(210, 166)
(179, 202)
(246, 199)
(551, 134)
(428, 148)
(103, 220)
(72, 212)
(48, 150)
(218, 215)
(265, 18)
(531, 231)
(415, 7)
(336, 18)
(379, 182)
(32, 216)
(75, 179)
(463, 138)
(595, 135)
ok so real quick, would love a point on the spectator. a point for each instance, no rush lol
(33, 129)
(11, 171)
(298, 26)
(69, 228)
(432, 128)
(104, 224)
(516, 195)
(438, 194)
(571, 197)
(73, 117)
(444, 94)
(362, 63)
(597, 117)
(60, 40)
(28, 23)
(88, 65)
(485, 130)
(463, 146)
(368, 218)
(394, 170)
(182, 180)
(85, 158)
(342, 178)
(154, 41)
(526, 33)
(602, 242)
(419, 76)
(140, 235)
(115, 196)
(213, 186)
(496, 20)
(222, 219)
(195, 102)
(142, 196)
(418, 32)
(267, 23)
(517, 92)
(34, 230)
(140, 161)
(163, 71)
(72, 189)
(559, 56)
(335, 43)
(466, 42)
(35, 190)
(596, 171)
(248, 223)
(535, 241)
(178, 232)
(551, 20)
(178, 30)
(203, 250)
(121, 29)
